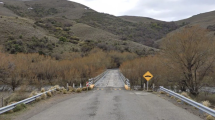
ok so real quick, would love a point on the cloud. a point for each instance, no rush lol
(167, 10)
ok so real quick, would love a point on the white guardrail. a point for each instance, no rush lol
(189, 101)
(25, 101)
(124, 79)
(95, 79)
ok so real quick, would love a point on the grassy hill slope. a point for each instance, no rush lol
(137, 19)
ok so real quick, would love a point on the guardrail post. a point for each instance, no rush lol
(73, 85)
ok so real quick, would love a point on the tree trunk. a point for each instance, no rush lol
(194, 92)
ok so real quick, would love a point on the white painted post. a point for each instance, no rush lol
(153, 87)
(73, 85)
(144, 86)
(80, 85)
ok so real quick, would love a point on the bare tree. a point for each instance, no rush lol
(190, 52)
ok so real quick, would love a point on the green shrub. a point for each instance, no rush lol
(19, 107)
(20, 37)
(63, 39)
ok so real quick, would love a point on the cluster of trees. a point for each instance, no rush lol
(187, 59)
(34, 69)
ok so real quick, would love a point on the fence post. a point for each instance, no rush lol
(73, 85)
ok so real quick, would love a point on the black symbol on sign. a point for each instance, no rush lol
(148, 76)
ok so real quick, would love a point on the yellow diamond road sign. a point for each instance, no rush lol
(148, 76)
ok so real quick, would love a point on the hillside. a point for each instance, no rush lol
(203, 19)
(137, 19)
(53, 26)
(50, 27)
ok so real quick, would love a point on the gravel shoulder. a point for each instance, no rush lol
(37, 107)
(183, 105)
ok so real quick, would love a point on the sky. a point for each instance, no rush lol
(166, 10)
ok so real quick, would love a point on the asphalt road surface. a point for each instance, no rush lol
(109, 101)
(111, 79)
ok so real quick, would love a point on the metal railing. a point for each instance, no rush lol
(125, 80)
(95, 79)
(189, 101)
(25, 101)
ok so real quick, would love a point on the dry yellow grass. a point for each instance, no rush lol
(178, 100)
(49, 94)
(172, 97)
(33, 93)
(206, 103)
(43, 96)
(57, 87)
(168, 95)
(209, 117)
(162, 92)
(70, 89)
(63, 90)
(78, 90)
(42, 90)
(185, 94)
(38, 99)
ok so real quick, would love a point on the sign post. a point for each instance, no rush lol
(148, 76)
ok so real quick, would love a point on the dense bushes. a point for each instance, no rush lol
(39, 70)
(135, 69)
(186, 61)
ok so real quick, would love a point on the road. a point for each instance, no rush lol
(109, 101)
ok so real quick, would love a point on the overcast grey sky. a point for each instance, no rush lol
(167, 10)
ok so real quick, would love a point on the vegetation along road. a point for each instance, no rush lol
(109, 101)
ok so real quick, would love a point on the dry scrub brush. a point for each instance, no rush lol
(43, 96)
(185, 94)
(210, 117)
(49, 94)
(78, 90)
(43, 90)
(33, 93)
(206, 103)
